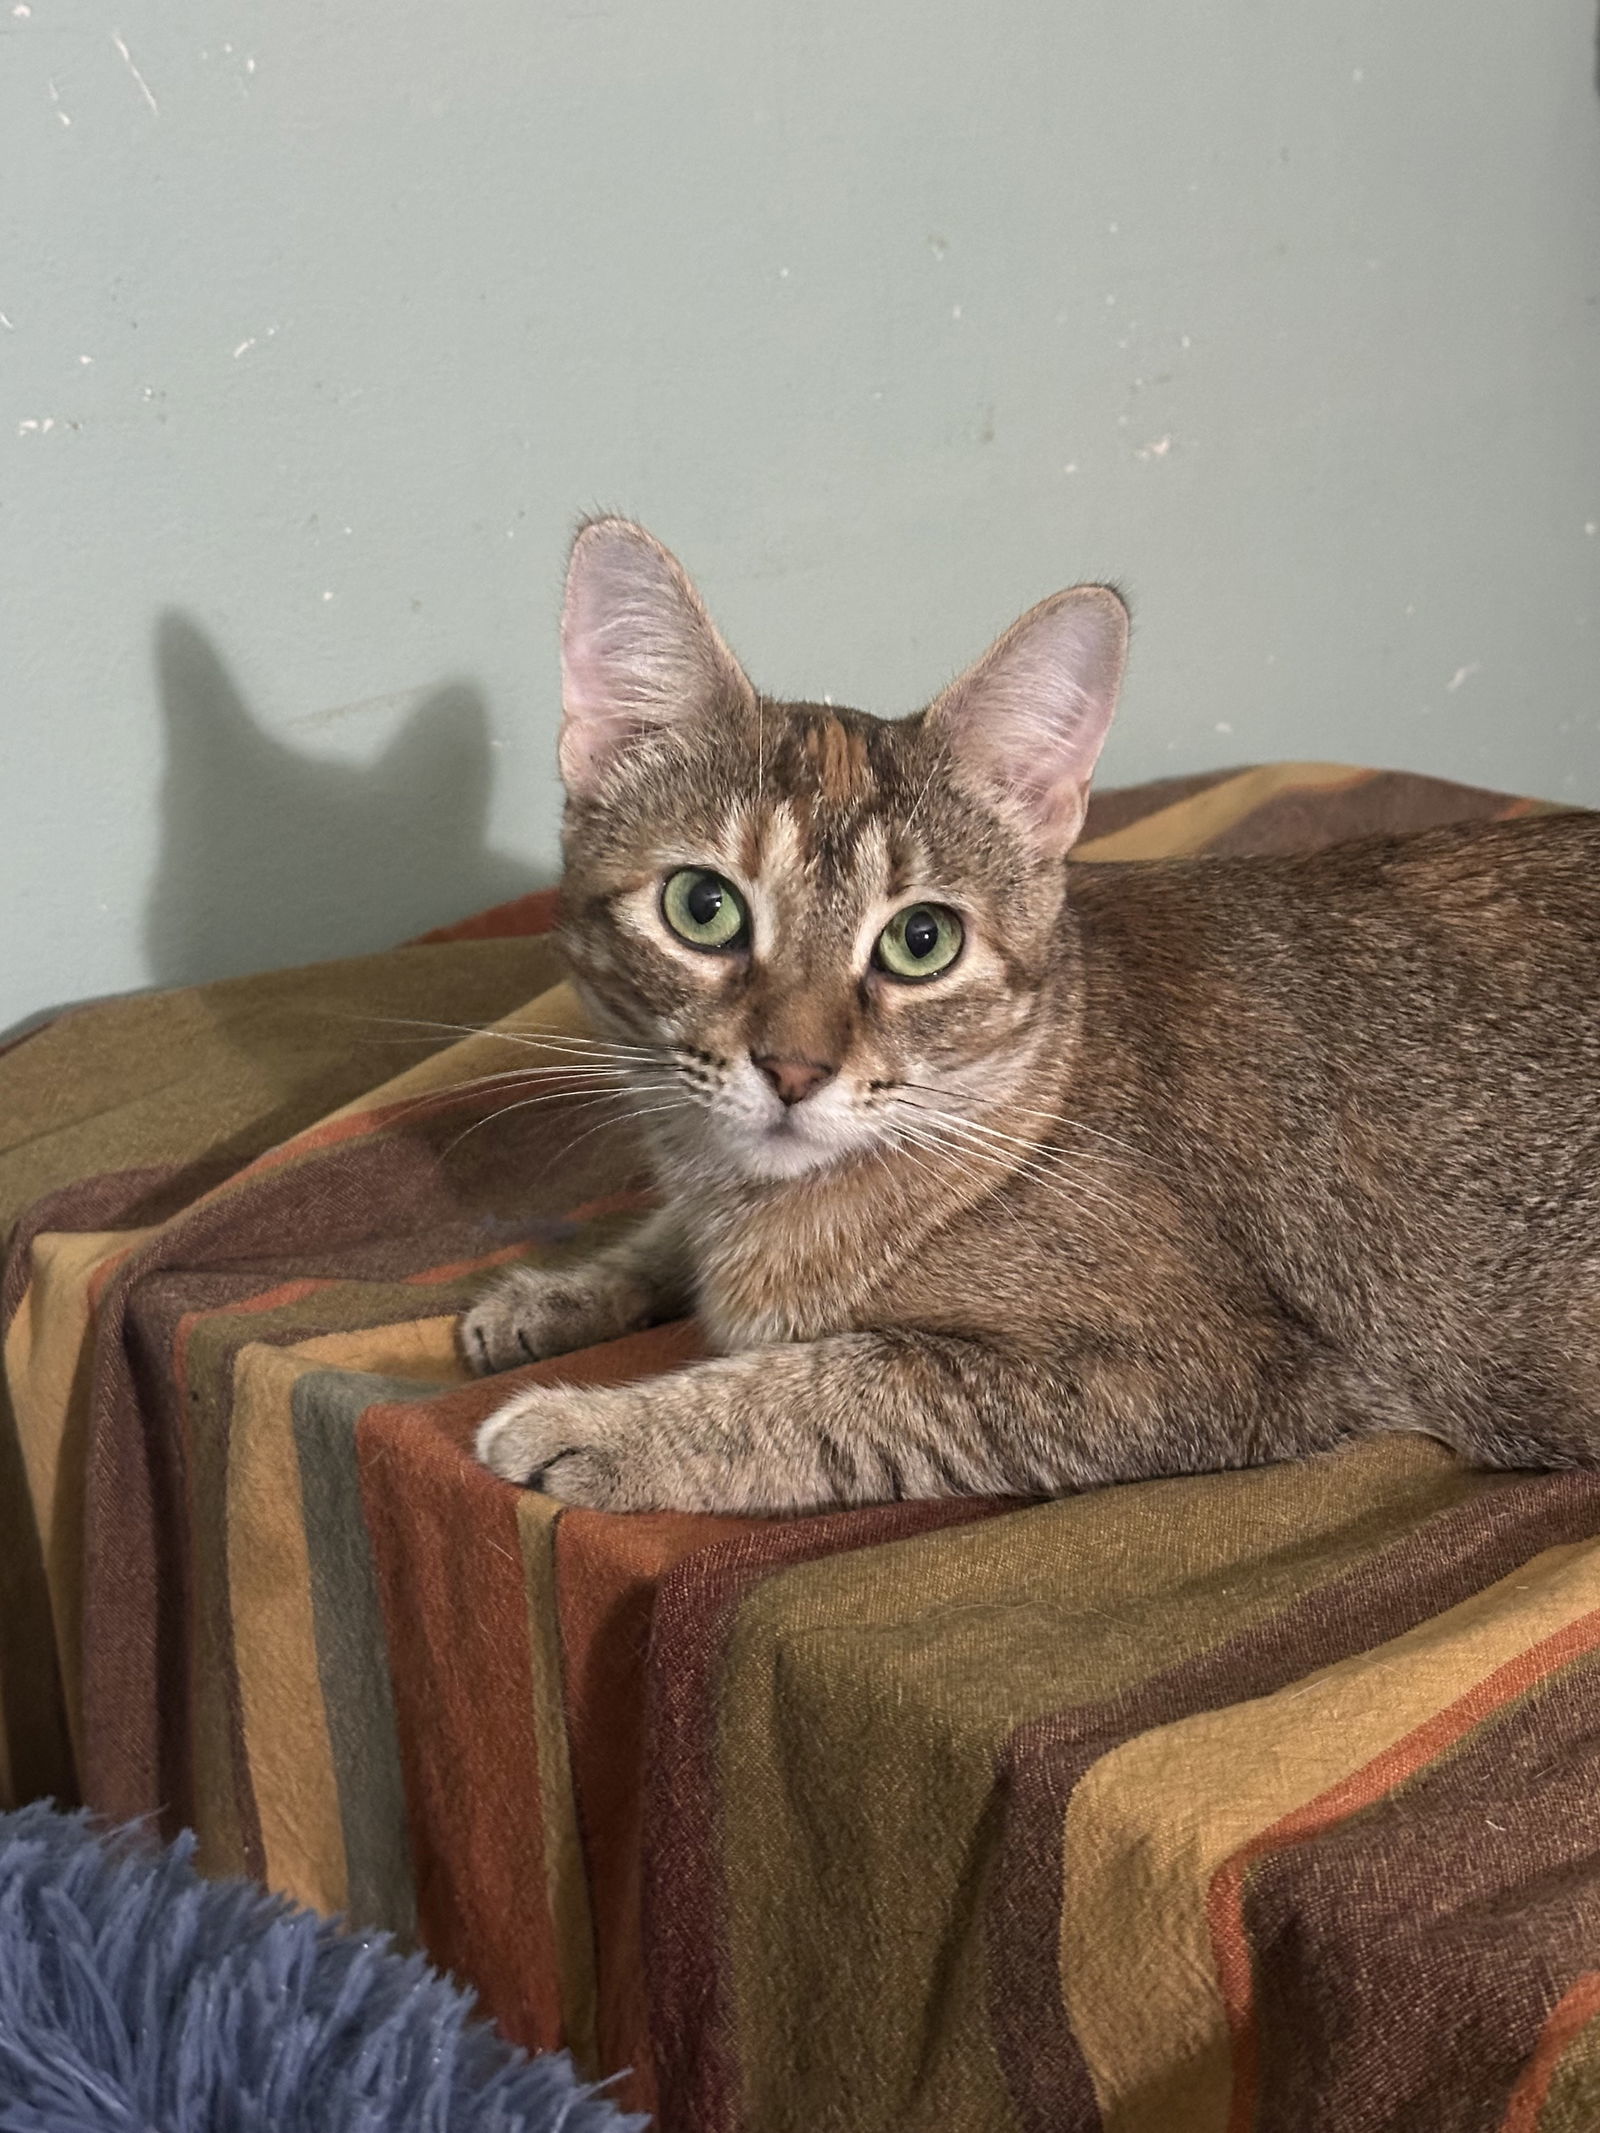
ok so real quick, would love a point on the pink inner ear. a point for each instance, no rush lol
(1028, 722)
(637, 648)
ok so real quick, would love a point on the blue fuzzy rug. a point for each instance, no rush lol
(137, 1998)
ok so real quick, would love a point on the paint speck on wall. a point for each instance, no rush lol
(139, 81)
(1460, 675)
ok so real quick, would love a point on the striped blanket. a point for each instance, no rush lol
(1264, 1799)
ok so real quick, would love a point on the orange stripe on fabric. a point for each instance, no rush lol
(1576, 2008)
(1225, 1896)
(355, 1126)
(293, 1292)
(108, 1268)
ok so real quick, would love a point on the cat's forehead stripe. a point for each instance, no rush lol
(844, 776)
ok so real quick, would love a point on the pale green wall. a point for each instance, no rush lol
(890, 317)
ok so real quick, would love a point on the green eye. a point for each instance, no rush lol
(703, 909)
(920, 942)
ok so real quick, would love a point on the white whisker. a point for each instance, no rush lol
(554, 1040)
(1055, 1118)
(628, 1119)
(1045, 1167)
(587, 1103)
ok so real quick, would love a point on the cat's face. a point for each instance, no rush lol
(825, 936)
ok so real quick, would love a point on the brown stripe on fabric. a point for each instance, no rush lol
(1558, 2091)
(566, 1884)
(446, 1550)
(1194, 826)
(1152, 1823)
(1439, 1918)
(603, 1575)
(1388, 803)
(685, 1895)
(1118, 807)
(39, 1757)
(356, 1197)
(531, 914)
(1441, 1562)
(607, 1570)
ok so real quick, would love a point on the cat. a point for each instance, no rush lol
(990, 1175)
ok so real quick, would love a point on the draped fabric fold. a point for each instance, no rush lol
(1262, 1799)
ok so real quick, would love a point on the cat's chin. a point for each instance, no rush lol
(783, 1152)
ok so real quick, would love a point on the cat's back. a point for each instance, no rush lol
(1513, 907)
(1409, 1020)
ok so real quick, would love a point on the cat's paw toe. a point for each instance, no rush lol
(540, 1441)
(526, 1316)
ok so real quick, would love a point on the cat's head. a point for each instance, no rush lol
(824, 935)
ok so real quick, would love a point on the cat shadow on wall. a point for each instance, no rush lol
(273, 857)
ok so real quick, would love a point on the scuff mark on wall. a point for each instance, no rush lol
(127, 60)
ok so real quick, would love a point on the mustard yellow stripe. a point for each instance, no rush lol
(1150, 1825)
(1188, 826)
(287, 1748)
(419, 1348)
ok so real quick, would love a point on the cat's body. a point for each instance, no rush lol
(1169, 1168)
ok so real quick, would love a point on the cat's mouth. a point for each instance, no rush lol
(794, 1144)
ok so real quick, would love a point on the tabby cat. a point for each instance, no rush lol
(989, 1175)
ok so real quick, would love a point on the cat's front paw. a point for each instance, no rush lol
(528, 1314)
(550, 1438)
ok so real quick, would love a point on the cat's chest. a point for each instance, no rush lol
(786, 1279)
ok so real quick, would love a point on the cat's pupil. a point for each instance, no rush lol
(704, 900)
(921, 934)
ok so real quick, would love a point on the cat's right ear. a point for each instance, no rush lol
(639, 653)
(1025, 726)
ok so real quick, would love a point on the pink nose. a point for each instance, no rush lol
(794, 1079)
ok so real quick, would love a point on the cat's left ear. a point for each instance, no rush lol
(1025, 726)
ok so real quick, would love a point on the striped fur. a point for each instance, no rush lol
(1181, 1167)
